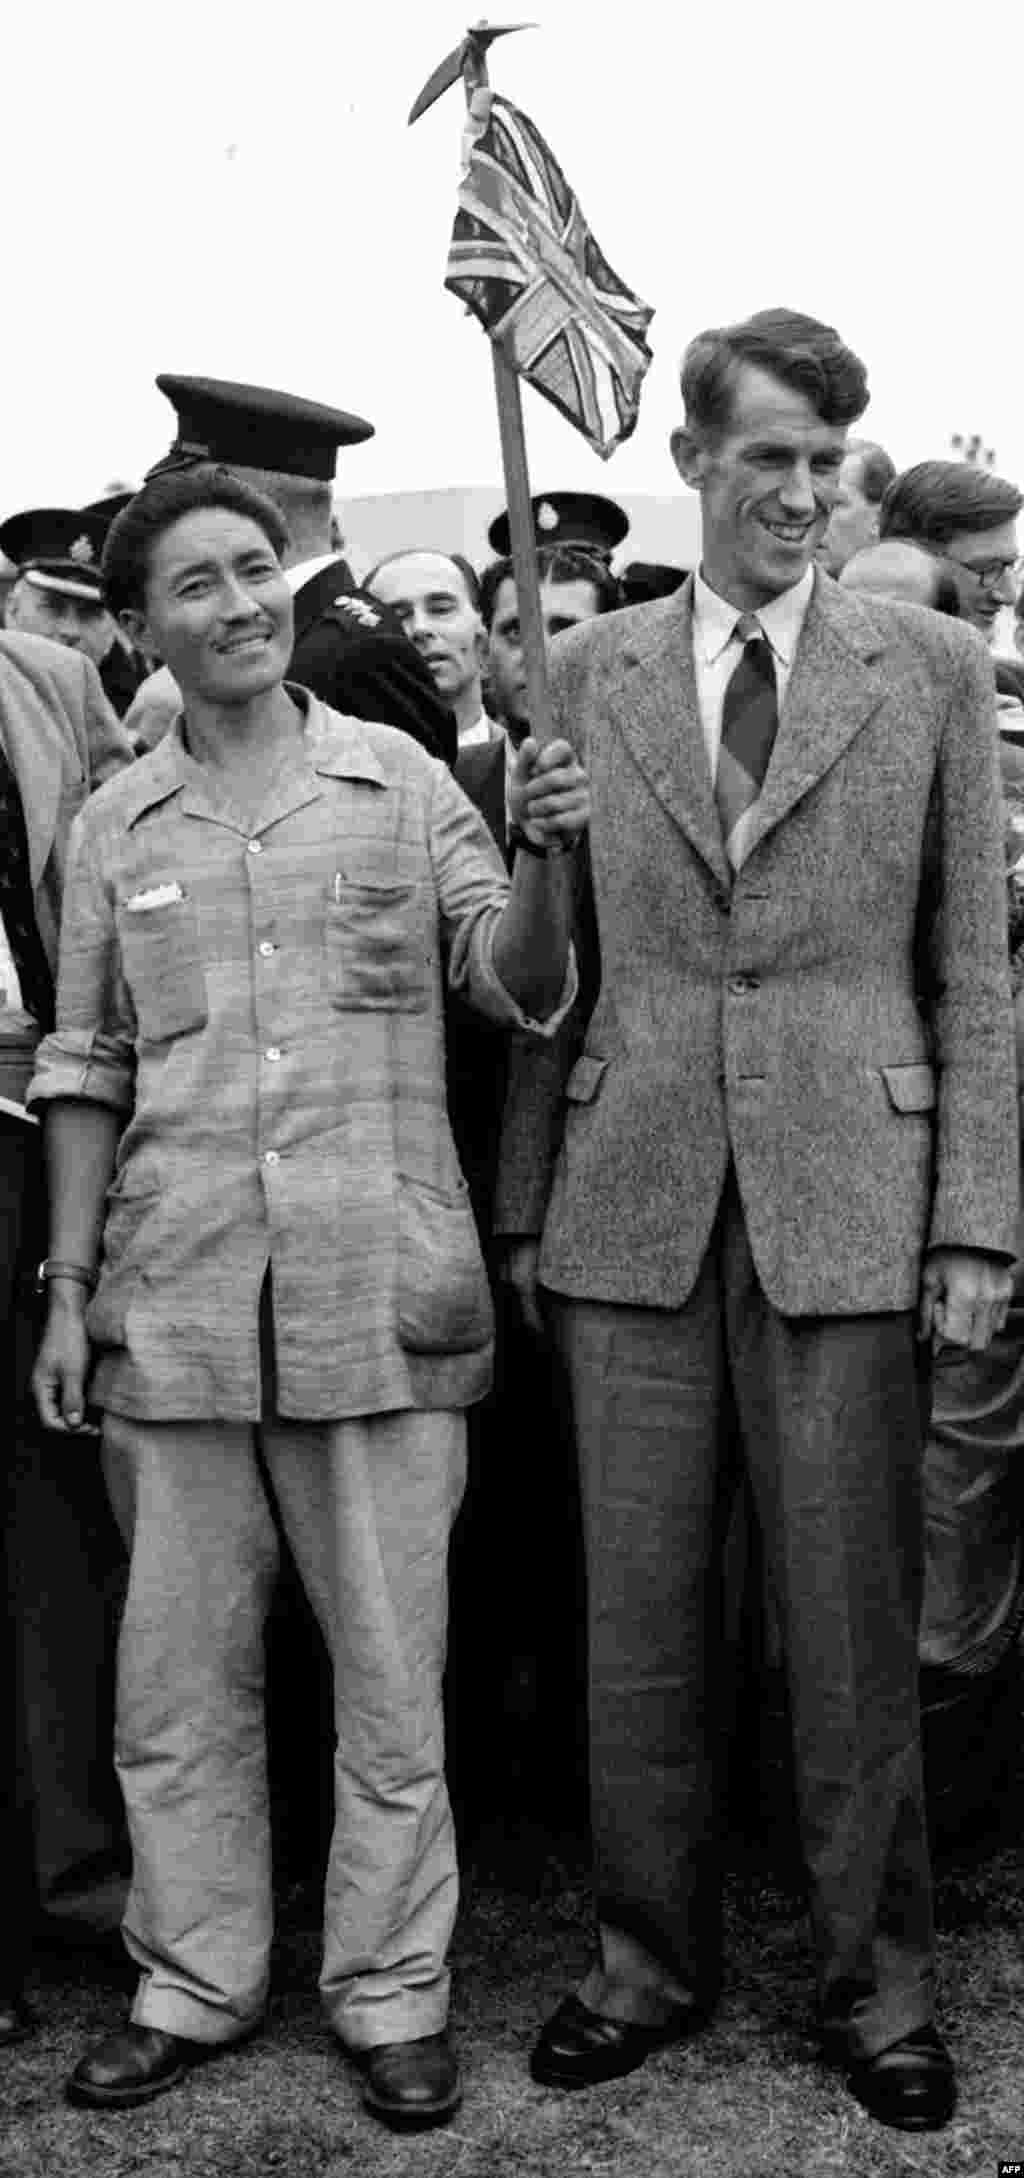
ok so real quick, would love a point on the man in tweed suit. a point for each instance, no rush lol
(788, 1162)
(246, 1109)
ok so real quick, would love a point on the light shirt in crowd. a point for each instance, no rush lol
(716, 647)
(482, 729)
(295, 577)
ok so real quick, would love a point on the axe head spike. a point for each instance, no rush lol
(474, 45)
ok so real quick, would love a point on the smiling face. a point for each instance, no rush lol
(767, 487)
(429, 595)
(218, 608)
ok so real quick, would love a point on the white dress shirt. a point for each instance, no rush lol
(716, 647)
(482, 729)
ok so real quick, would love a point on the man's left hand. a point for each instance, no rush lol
(549, 793)
(964, 1298)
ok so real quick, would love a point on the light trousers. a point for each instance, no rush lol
(367, 1507)
(827, 1413)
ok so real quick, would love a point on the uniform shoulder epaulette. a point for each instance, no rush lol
(359, 609)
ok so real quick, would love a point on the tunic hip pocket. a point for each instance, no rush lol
(444, 1300)
(378, 948)
(163, 968)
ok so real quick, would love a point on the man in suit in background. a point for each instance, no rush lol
(435, 596)
(777, 1173)
(61, 1828)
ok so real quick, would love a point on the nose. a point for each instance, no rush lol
(796, 494)
(418, 624)
(1005, 592)
(238, 602)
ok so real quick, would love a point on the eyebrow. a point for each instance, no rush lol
(211, 566)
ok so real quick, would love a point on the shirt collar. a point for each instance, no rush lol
(332, 744)
(714, 619)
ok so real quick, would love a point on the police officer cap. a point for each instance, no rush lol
(645, 580)
(57, 548)
(254, 427)
(581, 519)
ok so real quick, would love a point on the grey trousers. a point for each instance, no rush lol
(367, 1506)
(829, 1421)
(974, 1500)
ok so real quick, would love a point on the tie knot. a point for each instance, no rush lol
(748, 629)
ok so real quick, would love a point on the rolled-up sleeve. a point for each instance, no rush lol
(472, 889)
(90, 1054)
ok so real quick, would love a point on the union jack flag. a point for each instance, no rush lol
(525, 263)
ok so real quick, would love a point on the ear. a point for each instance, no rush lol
(689, 456)
(136, 627)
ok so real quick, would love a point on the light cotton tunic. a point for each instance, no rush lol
(264, 1006)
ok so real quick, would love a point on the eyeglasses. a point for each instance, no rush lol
(987, 573)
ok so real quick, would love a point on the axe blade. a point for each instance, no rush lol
(476, 41)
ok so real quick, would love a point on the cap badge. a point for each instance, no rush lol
(83, 552)
(547, 517)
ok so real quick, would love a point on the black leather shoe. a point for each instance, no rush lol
(409, 2084)
(134, 2065)
(580, 2048)
(16, 2020)
(910, 2085)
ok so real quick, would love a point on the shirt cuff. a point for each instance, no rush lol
(82, 1067)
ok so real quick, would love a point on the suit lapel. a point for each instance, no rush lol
(836, 685)
(655, 695)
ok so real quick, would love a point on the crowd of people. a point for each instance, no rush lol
(512, 1210)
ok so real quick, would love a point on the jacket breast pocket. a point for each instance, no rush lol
(378, 948)
(163, 967)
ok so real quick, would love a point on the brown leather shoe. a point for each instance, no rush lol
(409, 2084)
(581, 2048)
(910, 2085)
(133, 2065)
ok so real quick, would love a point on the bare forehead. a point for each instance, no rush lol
(418, 575)
(208, 533)
(763, 408)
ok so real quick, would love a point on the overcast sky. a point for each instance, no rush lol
(231, 189)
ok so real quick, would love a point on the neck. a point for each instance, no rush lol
(733, 589)
(467, 705)
(307, 543)
(224, 736)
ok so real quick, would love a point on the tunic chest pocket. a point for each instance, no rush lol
(163, 968)
(378, 947)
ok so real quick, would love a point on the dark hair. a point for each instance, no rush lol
(946, 596)
(877, 468)
(555, 563)
(935, 499)
(162, 502)
(434, 552)
(803, 354)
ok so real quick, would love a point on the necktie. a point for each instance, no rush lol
(750, 720)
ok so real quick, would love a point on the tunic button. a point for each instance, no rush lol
(266, 949)
(255, 846)
(273, 1051)
(272, 1157)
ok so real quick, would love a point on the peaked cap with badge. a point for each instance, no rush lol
(255, 427)
(57, 548)
(585, 521)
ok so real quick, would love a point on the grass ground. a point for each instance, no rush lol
(750, 2097)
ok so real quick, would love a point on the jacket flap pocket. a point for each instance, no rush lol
(585, 1080)
(911, 1088)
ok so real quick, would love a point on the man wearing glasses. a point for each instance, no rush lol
(974, 1536)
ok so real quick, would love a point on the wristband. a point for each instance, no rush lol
(520, 841)
(79, 1273)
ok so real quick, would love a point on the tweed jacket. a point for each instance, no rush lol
(835, 1018)
(260, 997)
(61, 738)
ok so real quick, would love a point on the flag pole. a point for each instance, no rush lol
(517, 481)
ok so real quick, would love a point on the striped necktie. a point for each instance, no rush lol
(750, 721)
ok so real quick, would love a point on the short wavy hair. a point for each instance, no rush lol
(164, 500)
(555, 563)
(934, 500)
(801, 352)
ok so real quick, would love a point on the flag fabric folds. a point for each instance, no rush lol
(524, 262)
